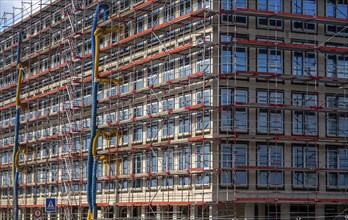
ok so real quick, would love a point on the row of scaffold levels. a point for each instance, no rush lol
(175, 109)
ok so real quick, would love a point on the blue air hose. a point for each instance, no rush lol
(94, 183)
(91, 171)
(16, 142)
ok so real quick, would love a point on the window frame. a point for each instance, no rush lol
(272, 168)
(227, 96)
(168, 160)
(272, 98)
(268, 5)
(336, 165)
(304, 64)
(335, 65)
(303, 158)
(338, 120)
(267, 63)
(231, 156)
(185, 158)
(203, 156)
(230, 63)
(137, 162)
(303, 8)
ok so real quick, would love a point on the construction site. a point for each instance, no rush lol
(174, 109)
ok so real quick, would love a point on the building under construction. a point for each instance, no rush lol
(175, 109)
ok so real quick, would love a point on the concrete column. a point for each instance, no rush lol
(143, 212)
(175, 212)
(252, 162)
(213, 212)
(261, 210)
(20, 214)
(322, 101)
(287, 163)
(319, 211)
(129, 212)
(59, 214)
(79, 214)
(116, 212)
(285, 211)
(100, 213)
(322, 163)
(249, 211)
(192, 212)
(159, 213)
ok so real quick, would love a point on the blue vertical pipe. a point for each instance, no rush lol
(94, 184)
(16, 142)
(91, 171)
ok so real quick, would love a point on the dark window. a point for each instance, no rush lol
(303, 212)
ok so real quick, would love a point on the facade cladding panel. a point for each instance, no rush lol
(206, 110)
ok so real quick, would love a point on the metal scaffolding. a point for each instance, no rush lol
(174, 109)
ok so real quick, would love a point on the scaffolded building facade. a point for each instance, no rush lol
(231, 109)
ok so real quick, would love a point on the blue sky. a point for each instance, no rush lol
(7, 6)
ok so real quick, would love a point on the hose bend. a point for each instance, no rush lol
(107, 135)
(22, 149)
(19, 86)
(97, 34)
